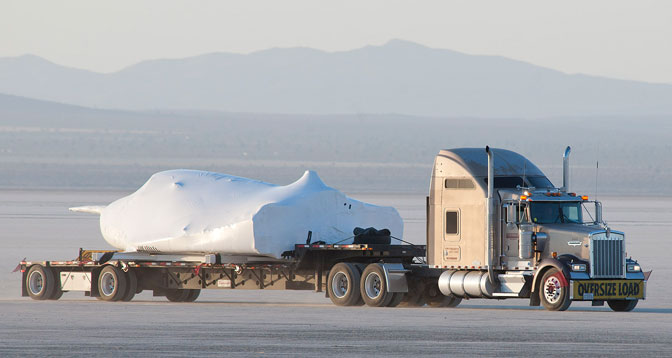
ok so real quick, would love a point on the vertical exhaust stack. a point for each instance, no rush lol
(490, 230)
(565, 170)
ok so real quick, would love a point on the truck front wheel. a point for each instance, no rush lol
(622, 305)
(343, 284)
(553, 292)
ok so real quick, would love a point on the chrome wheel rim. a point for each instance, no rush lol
(552, 290)
(373, 285)
(107, 283)
(340, 284)
(36, 283)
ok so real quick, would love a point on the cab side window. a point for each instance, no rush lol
(452, 222)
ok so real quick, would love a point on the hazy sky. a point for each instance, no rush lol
(615, 38)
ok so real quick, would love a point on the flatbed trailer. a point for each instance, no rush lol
(333, 269)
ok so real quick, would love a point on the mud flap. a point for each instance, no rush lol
(395, 275)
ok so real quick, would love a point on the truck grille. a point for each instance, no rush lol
(607, 256)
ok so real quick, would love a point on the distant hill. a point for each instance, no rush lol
(51, 145)
(398, 77)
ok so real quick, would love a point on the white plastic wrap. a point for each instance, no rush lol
(190, 211)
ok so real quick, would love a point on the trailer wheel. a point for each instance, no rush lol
(58, 291)
(554, 293)
(112, 283)
(193, 295)
(177, 295)
(343, 284)
(374, 286)
(131, 287)
(40, 282)
(622, 305)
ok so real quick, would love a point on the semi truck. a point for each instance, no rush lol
(496, 228)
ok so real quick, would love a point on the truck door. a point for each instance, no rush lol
(510, 237)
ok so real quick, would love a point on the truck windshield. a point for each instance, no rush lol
(555, 212)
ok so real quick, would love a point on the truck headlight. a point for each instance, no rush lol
(579, 267)
(634, 268)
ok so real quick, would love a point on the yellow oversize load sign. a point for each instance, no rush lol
(607, 289)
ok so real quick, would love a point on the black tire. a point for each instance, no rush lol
(373, 286)
(552, 294)
(58, 292)
(622, 305)
(176, 295)
(131, 287)
(40, 282)
(397, 297)
(112, 283)
(193, 295)
(343, 284)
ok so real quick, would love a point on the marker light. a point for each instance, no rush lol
(579, 267)
(634, 268)
(554, 254)
(523, 197)
(572, 194)
(584, 197)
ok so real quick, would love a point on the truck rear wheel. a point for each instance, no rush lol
(343, 284)
(374, 286)
(112, 284)
(554, 291)
(622, 305)
(40, 282)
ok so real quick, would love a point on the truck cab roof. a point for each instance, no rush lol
(511, 169)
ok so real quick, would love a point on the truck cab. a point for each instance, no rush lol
(499, 228)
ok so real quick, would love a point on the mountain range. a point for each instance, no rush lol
(398, 77)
